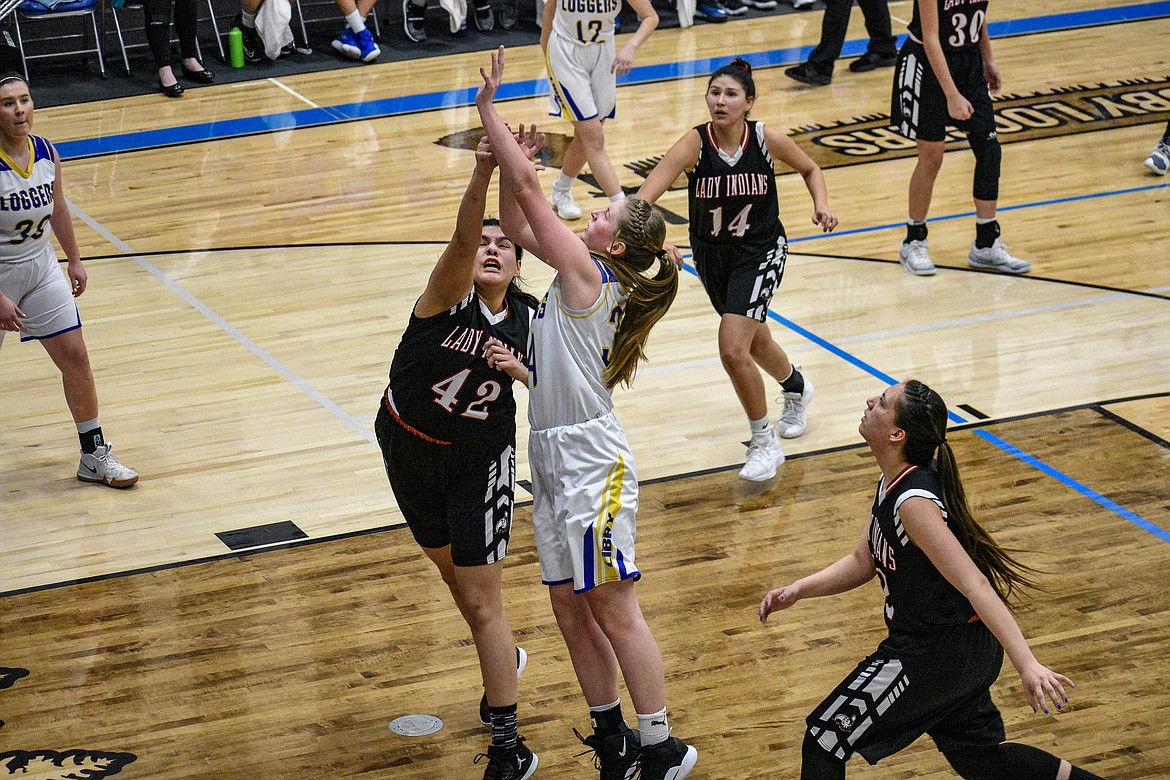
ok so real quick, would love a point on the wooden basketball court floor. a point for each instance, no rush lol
(253, 253)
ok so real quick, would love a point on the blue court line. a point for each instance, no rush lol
(987, 436)
(374, 109)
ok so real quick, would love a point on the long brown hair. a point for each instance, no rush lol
(922, 414)
(643, 230)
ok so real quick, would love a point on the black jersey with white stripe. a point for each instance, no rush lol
(734, 203)
(918, 597)
(441, 386)
(960, 22)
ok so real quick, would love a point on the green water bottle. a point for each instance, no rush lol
(236, 47)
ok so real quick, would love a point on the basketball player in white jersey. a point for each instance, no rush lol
(36, 300)
(578, 41)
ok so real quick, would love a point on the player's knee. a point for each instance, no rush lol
(988, 156)
(818, 763)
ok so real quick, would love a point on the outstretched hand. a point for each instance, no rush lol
(484, 159)
(530, 141)
(1041, 684)
(492, 80)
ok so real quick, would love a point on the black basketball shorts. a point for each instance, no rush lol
(737, 282)
(907, 689)
(918, 107)
(458, 495)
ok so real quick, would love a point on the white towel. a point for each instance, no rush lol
(272, 23)
(686, 12)
(457, 10)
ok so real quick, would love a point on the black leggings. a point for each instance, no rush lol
(158, 28)
(1006, 761)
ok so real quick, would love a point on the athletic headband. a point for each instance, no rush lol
(6, 79)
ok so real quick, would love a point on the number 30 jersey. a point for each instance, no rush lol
(26, 204)
(733, 198)
(960, 22)
(441, 386)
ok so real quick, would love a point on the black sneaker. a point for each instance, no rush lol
(414, 21)
(509, 14)
(253, 46)
(734, 7)
(871, 61)
(806, 75)
(669, 760)
(616, 755)
(485, 712)
(485, 20)
(516, 764)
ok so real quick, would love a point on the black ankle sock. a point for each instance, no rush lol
(915, 232)
(504, 726)
(794, 383)
(986, 233)
(91, 440)
(609, 721)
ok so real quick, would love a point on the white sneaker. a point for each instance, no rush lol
(763, 458)
(564, 205)
(1159, 159)
(104, 468)
(997, 258)
(798, 4)
(794, 418)
(915, 257)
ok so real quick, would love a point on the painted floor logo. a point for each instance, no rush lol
(57, 764)
(1051, 113)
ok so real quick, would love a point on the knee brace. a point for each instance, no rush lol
(1005, 761)
(816, 763)
(987, 160)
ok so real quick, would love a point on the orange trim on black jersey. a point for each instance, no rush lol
(410, 428)
(743, 142)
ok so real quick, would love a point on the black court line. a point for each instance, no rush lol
(244, 554)
(1130, 424)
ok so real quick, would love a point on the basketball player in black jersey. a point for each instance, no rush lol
(447, 428)
(946, 583)
(739, 247)
(944, 71)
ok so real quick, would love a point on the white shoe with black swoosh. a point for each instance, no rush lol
(102, 467)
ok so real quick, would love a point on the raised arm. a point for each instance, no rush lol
(560, 247)
(785, 149)
(929, 532)
(454, 274)
(852, 571)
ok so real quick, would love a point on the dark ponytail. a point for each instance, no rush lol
(740, 70)
(922, 414)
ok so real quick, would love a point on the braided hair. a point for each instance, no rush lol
(922, 414)
(643, 230)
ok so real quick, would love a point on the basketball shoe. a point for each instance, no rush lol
(794, 417)
(347, 44)
(414, 20)
(103, 467)
(503, 764)
(669, 760)
(997, 258)
(1159, 159)
(485, 712)
(564, 205)
(616, 755)
(915, 257)
(764, 457)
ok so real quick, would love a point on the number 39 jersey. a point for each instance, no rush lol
(733, 198)
(26, 204)
(441, 386)
(960, 22)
